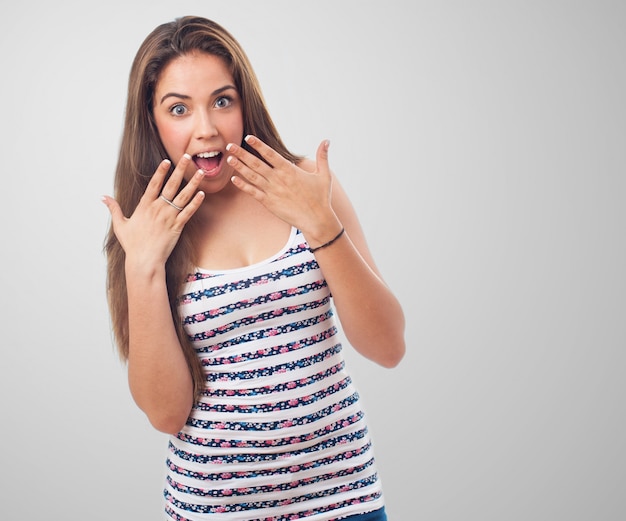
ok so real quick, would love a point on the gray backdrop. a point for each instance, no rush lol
(483, 144)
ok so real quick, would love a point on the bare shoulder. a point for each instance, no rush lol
(307, 164)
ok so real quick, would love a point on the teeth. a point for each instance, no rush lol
(206, 155)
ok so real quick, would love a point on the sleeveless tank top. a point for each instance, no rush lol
(279, 433)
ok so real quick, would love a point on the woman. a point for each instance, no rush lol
(219, 287)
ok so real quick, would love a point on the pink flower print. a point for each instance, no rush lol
(275, 296)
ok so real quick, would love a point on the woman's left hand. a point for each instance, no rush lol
(297, 196)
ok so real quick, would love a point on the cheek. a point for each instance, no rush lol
(232, 127)
(174, 140)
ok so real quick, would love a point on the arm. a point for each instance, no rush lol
(371, 316)
(309, 197)
(159, 378)
(158, 375)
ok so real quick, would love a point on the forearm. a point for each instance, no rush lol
(371, 316)
(159, 377)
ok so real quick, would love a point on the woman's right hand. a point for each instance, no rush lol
(149, 235)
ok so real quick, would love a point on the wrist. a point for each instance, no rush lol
(326, 238)
(139, 270)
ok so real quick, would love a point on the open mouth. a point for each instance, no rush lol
(208, 161)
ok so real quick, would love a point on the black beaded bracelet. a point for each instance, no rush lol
(313, 250)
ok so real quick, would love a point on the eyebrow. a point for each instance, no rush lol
(185, 96)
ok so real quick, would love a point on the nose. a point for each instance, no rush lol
(204, 125)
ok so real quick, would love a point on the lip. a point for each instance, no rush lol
(212, 172)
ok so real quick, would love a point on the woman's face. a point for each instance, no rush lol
(197, 111)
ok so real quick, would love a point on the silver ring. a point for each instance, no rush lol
(170, 202)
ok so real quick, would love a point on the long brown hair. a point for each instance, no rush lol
(141, 151)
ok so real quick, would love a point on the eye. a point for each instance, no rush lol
(223, 101)
(178, 110)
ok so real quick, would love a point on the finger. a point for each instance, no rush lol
(173, 183)
(156, 183)
(190, 189)
(251, 168)
(189, 209)
(267, 153)
(247, 188)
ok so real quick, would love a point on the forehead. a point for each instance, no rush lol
(193, 72)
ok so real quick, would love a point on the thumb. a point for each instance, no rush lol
(114, 208)
(321, 157)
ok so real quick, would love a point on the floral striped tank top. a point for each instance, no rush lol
(279, 433)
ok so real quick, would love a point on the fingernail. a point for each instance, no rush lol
(249, 139)
(186, 156)
(229, 146)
